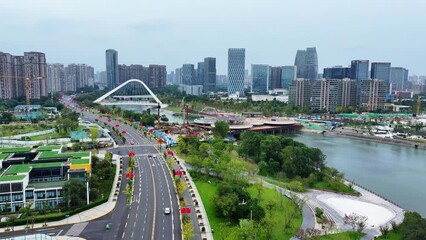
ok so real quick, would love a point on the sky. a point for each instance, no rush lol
(174, 32)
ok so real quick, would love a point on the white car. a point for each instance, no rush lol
(167, 211)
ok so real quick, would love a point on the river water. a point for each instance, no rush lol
(395, 172)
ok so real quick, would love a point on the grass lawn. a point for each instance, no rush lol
(334, 186)
(174, 108)
(208, 191)
(48, 136)
(343, 236)
(392, 235)
(22, 128)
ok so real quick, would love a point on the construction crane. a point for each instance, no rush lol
(419, 102)
(27, 85)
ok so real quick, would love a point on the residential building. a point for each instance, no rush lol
(101, 79)
(171, 78)
(359, 70)
(157, 75)
(372, 94)
(260, 74)
(78, 76)
(188, 74)
(275, 80)
(326, 95)
(133, 71)
(55, 77)
(288, 75)
(35, 69)
(178, 76)
(348, 92)
(7, 81)
(18, 76)
(307, 63)
(111, 57)
(337, 72)
(209, 74)
(381, 71)
(300, 93)
(236, 70)
(38, 176)
(398, 78)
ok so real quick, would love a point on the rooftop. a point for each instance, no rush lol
(49, 148)
(38, 185)
(11, 178)
(45, 155)
(4, 155)
(15, 150)
(80, 161)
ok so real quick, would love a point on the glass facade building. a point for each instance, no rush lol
(209, 74)
(359, 70)
(337, 72)
(307, 63)
(288, 75)
(260, 78)
(381, 71)
(111, 57)
(188, 74)
(236, 68)
(399, 78)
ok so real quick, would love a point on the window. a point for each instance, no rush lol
(59, 192)
(16, 187)
(4, 188)
(17, 196)
(5, 198)
(29, 194)
(51, 193)
(40, 195)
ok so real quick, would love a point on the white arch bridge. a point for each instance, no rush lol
(140, 96)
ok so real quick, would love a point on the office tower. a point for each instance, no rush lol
(171, 78)
(157, 75)
(222, 81)
(178, 76)
(35, 69)
(326, 95)
(236, 70)
(288, 75)
(7, 82)
(337, 72)
(307, 63)
(348, 92)
(209, 74)
(399, 78)
(299, 62)
(188, 77)
(381, 71)
(372, 94)
(260, 74)
(101, 79)
(300, 93)
(111, 57)
(199, 76)
(359, 70)
(276, 75)
(55, 77)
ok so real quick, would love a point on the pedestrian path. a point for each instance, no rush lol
(76, 229)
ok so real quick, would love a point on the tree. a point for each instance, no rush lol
(75, 147)
(188, 232)
(220, 129)
(94, 134)
(357, 222)
(74, 193)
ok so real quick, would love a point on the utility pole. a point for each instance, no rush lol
(158, 117)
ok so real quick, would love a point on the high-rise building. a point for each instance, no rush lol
(337, 72)
(112, 68)
(326, 94)
(7, 82)
(188, 74)
(78, 76)
(101, 79)
(157, 75)
(199, 78)
(381, 71)
(276, 75)
(171, 78)
(372, 94)
(209, 74)
(288, 75)
(348, 92)
(178, 76)
(260, 74)
(359, 70)
(307, 63)
(399, 78)
(134, 71)
(236, 67)
(300, 93)
(18, 75)
(55, 77)
(35, 69)
(222, 81)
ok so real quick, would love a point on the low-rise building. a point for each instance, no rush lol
(38, 175)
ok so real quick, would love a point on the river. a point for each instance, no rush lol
(395, 172)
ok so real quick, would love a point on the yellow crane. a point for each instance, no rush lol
(27, 85)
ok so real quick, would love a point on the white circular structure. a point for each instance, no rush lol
(377, 215)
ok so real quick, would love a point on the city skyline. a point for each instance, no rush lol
(68, 37)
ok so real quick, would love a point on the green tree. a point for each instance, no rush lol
(94, 134)
(75, 147)
(220, 129)
(74, 193)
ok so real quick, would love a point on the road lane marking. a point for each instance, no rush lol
(155, 203)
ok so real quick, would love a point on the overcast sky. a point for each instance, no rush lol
(174, 32)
